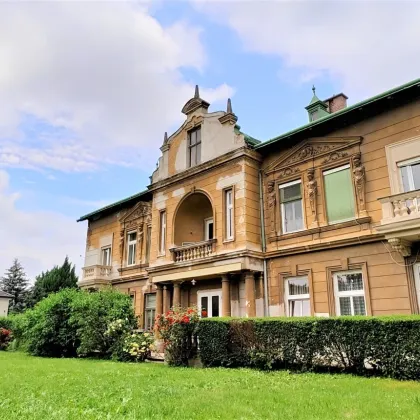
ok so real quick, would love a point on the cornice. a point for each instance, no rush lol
(207, 166)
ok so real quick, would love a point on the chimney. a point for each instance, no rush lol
(336, 103)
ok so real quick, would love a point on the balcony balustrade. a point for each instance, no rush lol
(193, 251)
(400, 207)
(96, 272)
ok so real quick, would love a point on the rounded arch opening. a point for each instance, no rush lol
(194, 220)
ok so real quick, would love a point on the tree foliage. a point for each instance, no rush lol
(54, 280)
(15, 283)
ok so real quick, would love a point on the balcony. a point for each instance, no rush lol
(193, 251)
(95, 273)
(401, 220)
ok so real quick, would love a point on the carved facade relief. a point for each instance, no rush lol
(285, 172)
(335, 156)
(271, 204)
(312, 190)
(359, 177)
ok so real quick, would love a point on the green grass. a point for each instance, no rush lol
(35, 388)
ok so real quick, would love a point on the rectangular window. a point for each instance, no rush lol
(194, 147)
(131, 248)
(339, 196)
(148, 242)
(349, 293)
(229, 222)
(291, 207)
(410, 175)
(149, 310)
(106, 256)
(133, 300)
(208, 229)
(297, 297)
(162, 233)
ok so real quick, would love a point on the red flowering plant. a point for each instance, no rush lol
(177, 329)
(5, 338)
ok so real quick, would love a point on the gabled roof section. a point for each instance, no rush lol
(145, 195)
(5, 295)
(250, 141)
(412, 87)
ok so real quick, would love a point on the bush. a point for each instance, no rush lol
(177, 328)
(388, 346)
(5, 338)
(74, 323)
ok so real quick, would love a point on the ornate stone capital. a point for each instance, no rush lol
(401, 245)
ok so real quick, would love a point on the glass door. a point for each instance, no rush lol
(209, 303)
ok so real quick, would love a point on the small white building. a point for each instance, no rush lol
(5, 298)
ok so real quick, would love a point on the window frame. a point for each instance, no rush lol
(327, 171)
(134, 244)
(162, 232)
(288, 297)
(196, 146)
(416, 272)
(103, 249)
(408, 164)
(207, 222)
(133, 299)
(349, 293)
(209, 294)
(229, 214)
(282, 211)
(147, 310)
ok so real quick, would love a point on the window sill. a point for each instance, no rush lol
(132, 267)
(319, 229)
(228, 241)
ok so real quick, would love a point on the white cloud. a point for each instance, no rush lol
(38, 239)
(106, 75)
(366, 47)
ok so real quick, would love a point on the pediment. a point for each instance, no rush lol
(328, 147)
(140, 210)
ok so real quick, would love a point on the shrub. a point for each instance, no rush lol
(387, 346)
(5, 338)
(177, 328)
(6, 322)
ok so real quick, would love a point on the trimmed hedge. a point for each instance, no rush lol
(388, 346)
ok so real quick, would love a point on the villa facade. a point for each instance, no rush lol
(323, 220)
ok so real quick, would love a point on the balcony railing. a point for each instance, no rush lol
(400, 207)
(193, 251)
(96, 272)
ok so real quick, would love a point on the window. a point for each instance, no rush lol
(297, 297)
(410, 175)
(162, 233)
(106, 256)
(339, 196)
(208, 229)
(194, 147)
(291, 207)
(131, 244)
(148, 242)
(416, 269)
(229, 213)
(149, 310)
(209, 303)
(349, 293)
(133, 300)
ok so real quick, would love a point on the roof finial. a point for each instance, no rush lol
(165, 138)
(313, 89)
(197, 93)
(229, 106)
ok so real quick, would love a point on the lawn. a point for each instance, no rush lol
(35, 388)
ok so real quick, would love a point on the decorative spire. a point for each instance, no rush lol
(316, 108)
(195, 103)
(313, 89)
(165, 138)
(229, 106)
(197, 92)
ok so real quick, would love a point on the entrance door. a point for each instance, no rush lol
(416, 269)
(210, 303)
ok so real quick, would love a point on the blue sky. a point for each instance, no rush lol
(88, 89)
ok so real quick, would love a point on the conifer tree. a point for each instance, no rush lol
(15, 283)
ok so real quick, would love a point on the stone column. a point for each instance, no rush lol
(250, 294)
(166, 299)
(177, 295)
(225, 296)
(159, 300)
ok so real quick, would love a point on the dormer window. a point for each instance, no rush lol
(194, 147)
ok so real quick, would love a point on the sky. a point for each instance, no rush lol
(88, 88)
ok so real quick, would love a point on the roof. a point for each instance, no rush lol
(5, 295)
(373, 101)
(251, 141)
(125, 202)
